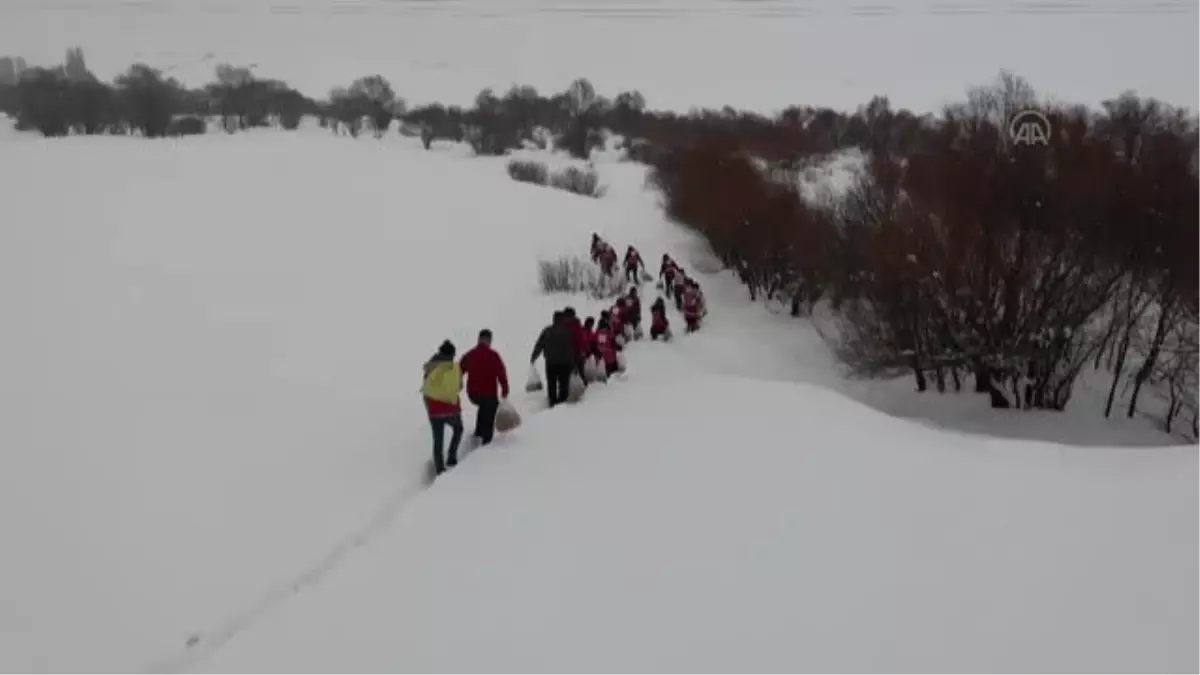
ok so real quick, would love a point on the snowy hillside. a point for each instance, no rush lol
(213, 446)
(677, 523)
(211, 363)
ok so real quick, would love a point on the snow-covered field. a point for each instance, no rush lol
(211, 439)
(212, 435)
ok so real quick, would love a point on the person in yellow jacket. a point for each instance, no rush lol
(442, 383)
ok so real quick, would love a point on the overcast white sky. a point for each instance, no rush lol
(754, 53)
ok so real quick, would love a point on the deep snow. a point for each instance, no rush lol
(676, 522)
(212, 434)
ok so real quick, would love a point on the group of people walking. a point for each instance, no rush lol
(576, 353)
(689, 299)
(672, 280)
(604, 255)
(486, 385)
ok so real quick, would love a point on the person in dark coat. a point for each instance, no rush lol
(556, 344)
(487, 383)
(633, 309)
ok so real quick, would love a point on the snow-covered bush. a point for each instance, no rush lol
(571, 179)
(528, 171)
(579, 181)
(576, 275)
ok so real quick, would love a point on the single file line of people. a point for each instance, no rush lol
(576, 354)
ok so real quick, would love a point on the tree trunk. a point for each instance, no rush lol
(1172, 409)
(1000, 399)
(915, 364)
(1143, 374)
(1122, 353)
(982, 377)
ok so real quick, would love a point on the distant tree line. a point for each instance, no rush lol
(957, 254)
(70, 99)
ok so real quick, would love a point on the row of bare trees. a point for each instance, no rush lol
(959, 253)
(70, 99)
(572, 120)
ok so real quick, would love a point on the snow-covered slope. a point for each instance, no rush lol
(699, 523)
(211, 359)
(212, 448)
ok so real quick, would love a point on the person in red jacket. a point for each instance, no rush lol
(608, 260)
(617, 318)
(579, 336)
(487, 383)
(680, 285)
(691, 308)
(606, 345)
(589, 333)
(633, 265)
(660, 327)
(666, 273)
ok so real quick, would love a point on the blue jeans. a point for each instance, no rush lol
(439, 425)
